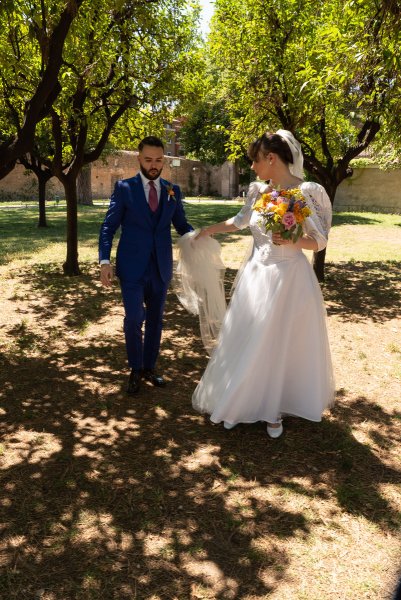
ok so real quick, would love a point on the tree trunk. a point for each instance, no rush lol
(84, 186)
(71, 266)
(318, 261)
(42, 201)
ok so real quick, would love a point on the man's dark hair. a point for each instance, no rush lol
(150, 140)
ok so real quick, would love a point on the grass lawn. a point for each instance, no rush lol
(106, 497)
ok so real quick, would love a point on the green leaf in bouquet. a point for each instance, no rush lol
(297, 234)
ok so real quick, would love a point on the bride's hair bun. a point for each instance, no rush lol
(270, 142)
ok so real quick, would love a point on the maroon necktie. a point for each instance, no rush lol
(153, 201)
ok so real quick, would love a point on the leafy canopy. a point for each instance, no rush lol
(321, 68)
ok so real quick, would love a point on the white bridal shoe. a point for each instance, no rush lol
(229, 425)
(275, 432)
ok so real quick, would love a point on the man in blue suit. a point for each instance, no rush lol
(144, 207)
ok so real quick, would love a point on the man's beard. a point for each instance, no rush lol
(152, 174)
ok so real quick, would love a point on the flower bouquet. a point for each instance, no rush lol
(283, 211)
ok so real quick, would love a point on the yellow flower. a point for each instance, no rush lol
(298, 214)
(282, 208)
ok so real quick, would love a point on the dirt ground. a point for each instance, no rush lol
(106, 496)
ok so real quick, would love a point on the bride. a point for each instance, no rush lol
(272, 356)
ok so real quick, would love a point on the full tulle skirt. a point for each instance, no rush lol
(273, 355)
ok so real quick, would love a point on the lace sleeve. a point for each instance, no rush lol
(241, 220)
(318, 224)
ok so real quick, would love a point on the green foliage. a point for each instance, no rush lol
(205, 132)
(130, 61)
(327, 70)
(207, 122)
(121, 59)
(20, 62)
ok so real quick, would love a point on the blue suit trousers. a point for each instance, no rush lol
(144, 302)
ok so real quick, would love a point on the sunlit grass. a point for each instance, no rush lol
(354, 236)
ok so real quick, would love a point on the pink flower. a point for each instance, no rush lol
(288, 220)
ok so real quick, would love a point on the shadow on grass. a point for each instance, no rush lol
(101, 499)
(363, 290)
(119, 507)
(353, 219)
(106, 496)
(81, 299)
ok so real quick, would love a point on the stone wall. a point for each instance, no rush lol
(372, 189)
(194, 178)
(369, 188)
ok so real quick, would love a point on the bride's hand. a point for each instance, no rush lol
(202, 233)
(280, 241)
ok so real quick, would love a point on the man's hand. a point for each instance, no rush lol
(106, 275)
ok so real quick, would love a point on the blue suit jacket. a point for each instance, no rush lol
(140, 236)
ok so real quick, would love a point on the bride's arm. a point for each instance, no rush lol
(239, 221)
(222, 227)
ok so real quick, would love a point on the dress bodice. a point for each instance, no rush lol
(264, 250)
(316, 226)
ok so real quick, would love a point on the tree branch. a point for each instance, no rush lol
(45, 91)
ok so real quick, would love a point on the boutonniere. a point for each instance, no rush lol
(170, 192)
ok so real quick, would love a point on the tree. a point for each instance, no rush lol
(117, 60)
(128, 60)
(33, 163)
(31, 38)
(84, 186)
(329, 71)
(205, 131)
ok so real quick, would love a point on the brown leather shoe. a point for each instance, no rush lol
(134, 382)
(156, 380)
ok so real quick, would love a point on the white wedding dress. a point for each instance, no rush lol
(272, 357)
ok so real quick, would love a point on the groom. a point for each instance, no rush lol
(144, 206)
